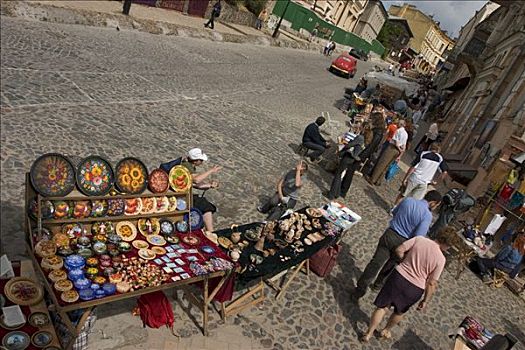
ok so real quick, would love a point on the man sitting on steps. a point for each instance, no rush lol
(313, 140)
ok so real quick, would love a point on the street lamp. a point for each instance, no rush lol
(276, 31)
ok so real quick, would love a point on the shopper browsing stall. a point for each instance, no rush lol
(417, 275)
(506, 260)
(313, 140)
(194, 159)
(287, 192)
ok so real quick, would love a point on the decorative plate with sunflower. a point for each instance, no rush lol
(132, 176)
(53, 175)
(94, 176)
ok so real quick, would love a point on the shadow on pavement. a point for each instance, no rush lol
(410, 341)
(342, 284)
(378, 200)
(515, 329)
(340, 103)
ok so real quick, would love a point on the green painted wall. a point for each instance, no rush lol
(301, 17)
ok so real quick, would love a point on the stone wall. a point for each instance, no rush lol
(231, 14)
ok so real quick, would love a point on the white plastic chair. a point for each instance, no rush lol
(330, 126)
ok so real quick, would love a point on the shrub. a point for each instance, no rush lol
(235, 3)
(255, 6)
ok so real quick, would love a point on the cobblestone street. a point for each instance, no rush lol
(83, 90)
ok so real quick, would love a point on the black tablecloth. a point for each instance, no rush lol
(272, 265)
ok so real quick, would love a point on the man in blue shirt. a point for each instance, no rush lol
(412, 218)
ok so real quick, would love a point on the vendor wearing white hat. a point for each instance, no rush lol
(194, 159)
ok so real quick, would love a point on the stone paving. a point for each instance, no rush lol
(81, 90)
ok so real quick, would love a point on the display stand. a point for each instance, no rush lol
(274, 281)
(63, 309)
(251, 297)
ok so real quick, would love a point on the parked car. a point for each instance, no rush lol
(345, 65)
(359, 54)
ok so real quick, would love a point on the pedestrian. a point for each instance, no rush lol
(506, 260)
(314, 32)
(215, 12)
(313, 140)
(422, 262)
(411, 218)
(348, 163)
(287, 193)
(421, 174)
(194, 159)
(327, 47)
(378, 129)
(361, 86)
(394, 150)
(371, 91)
(430, 137)
(400, 106)
(263, 16)
(331, 48)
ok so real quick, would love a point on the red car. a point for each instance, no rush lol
(345, 65)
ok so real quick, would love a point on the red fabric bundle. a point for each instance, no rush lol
(155, 310)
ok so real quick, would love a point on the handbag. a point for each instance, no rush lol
(322, 262)
(392, 171)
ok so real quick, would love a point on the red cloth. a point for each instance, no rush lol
(30, 330)
(506, 192)
(155, 310)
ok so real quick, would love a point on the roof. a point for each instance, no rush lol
(402, 20)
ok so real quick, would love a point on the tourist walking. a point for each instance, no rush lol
(313, 140)
(348, 163)
(412, 218)
(314, 33)
(215, 12)
(417, 275)
(422, 173)
(430, 137)
(393, 151)
(263, 16)
(286, 194)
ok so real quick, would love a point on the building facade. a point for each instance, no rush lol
(485, 120)
(343, 13)
(371, 21)
(429, 40)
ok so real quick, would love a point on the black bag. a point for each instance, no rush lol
(452, 197)
(167, 166)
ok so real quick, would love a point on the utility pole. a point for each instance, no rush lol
(126, 7)
(276, 31)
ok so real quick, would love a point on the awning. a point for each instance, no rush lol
(459, 84)
(518, 158)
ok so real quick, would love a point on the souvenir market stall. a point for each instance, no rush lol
(98, 235)
(265, 250)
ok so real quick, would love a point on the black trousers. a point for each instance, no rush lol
(210, 22)
(382, 262)
(273, 208)
(340, 186)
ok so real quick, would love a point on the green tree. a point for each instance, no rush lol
(255, 6)
(388, 35)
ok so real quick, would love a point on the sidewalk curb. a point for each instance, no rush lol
(50, 13)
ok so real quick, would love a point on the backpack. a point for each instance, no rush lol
(168, 165)
(452, 197)
(155, 310)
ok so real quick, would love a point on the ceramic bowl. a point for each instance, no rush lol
(82, 283)
(99, 247)
(100, 293)
(86, 294)
(109, 288)
(74, 262)
(75, 274)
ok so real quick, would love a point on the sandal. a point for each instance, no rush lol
(364, 339)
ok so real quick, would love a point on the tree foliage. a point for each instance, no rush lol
(388, 35)
(254, 6)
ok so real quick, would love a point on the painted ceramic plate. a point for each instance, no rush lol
(158, 181)
(62, 210)
(99, 208)
(53, 175)
(39, 319)
(23, 291)
(46, 211)
(102, 228)
(156, 240)
(140, 244)
(172, 239)
(191, 240)
(132, 176)
(16, 340)
(208, 250)
(126, 230)
(159, 250)
(195, 218)
(314, 212)
(181, 226)
(81, 209)
(149, 205)
(116, 207)
(163, 204)
(147, 254)
(94, 176)
(69, 296)
(166, 227)
(72, 230)
(224, 242)
(173, 203)
(148, 227)
(180, 178)
(181, 204)
(133, 206)
(41, 339)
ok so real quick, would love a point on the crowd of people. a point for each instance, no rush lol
(410, 254)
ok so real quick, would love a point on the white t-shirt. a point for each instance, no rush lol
(400, 138)
(495, 224)
(425, 167)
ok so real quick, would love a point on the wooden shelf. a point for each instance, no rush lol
(115, 218)
(77, 196)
